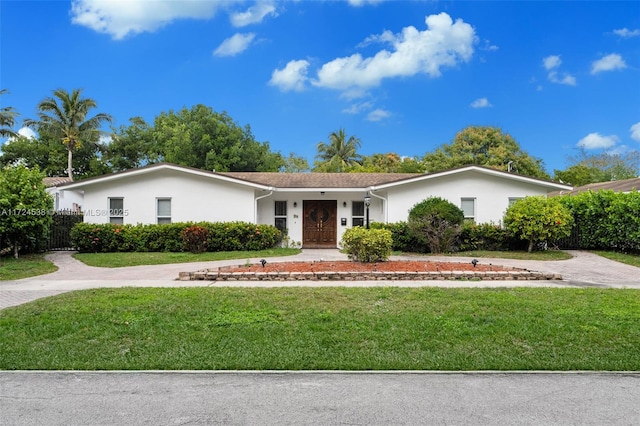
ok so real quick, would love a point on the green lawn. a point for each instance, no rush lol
(26, 266)
(116, 260)
(520, 255)
(629, 259)
(325, 328)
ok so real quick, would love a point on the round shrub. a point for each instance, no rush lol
(436, 222)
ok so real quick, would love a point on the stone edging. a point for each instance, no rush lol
(516, 275)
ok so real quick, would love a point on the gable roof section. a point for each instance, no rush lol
(320, 180)
(158, 167)
(625, 185)
(50, 182)
(550, 185)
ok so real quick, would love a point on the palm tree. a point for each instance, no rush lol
(7, 119)
(65, 115)
(339, 153)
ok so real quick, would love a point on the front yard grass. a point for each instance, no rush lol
(117, 260)
(629, 259)
(25, 266)
(519, 255)
(325, 328)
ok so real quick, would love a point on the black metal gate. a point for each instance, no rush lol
(59, 235)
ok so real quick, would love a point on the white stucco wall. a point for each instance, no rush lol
(193, 198)
(491, 194)
(66, 200)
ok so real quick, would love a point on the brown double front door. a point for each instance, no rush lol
(319, 223)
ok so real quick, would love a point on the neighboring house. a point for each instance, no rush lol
(315, 208)
(625, 185)
(63, 200)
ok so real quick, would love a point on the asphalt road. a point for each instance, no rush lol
(318, 398)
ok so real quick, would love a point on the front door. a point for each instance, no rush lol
(319, 223)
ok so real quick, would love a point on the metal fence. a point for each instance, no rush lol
(59, 235)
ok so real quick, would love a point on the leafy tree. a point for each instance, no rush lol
(339, 154)
(484, 146)
(65, 115)
(295, 164)
(133, 146)
(7, 119)
(25, 208)
(391, 163)
(539, 219)
(436, 222)
(588, 168)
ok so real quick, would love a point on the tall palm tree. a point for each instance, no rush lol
(65, 115)
(7, 119)
(339, 153)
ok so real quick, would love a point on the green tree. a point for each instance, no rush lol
(339, 154)
(7, 119)
(436, 223)
(295, 164)
(209, 140)
(65, 115)
(50, 156)
(25, 208)
(391, 163)
(588, 168)
(133, 146)
(539, 219)
(484, 146)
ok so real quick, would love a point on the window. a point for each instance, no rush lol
(357, 213)
(468, 206)
(281, 215)
(163, 210)
(512, 200)
(116, 210)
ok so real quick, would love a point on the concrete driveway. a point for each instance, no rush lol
(583, 270)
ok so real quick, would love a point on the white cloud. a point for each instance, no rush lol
(635, 132)
(596, 141)
(358, 108)
(121, 18)
(235, 44)
(443, 44)
(292, 77)
(358, 3)
(551, 62)
(626, 33)
(253, 15)
(481, 103)
(608, 63)
(378, 114)
(27, 133)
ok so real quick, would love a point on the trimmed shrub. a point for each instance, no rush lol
(403, 239)
(194, 239)
(367, 245)
(538, 219)
(232, 236)
(487, 236)
(436, 222)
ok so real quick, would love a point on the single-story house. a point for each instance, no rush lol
(70, 201)
(624, 185)
(315, 208)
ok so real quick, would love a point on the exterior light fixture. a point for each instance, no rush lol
(367, 203)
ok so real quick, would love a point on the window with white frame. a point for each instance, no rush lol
(163, 210)
(512, 200)
(116, 210)
(468, 207)
(357, 213)
(280, 214)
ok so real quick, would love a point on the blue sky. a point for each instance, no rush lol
(403, 76)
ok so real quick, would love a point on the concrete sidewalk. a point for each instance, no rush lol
(583, 270)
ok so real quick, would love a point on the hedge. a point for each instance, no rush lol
(221, 236)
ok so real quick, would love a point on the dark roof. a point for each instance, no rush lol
(625, 185)
(56, 181)
(319, 180)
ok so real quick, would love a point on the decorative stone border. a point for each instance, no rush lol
(226, 275)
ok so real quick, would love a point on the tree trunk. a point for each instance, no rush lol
(15, 249)
(70, 163)
(530, 246)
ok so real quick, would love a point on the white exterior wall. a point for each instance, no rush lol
(266, 209)
(193, 198)
(66, 200)
(491, 194)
